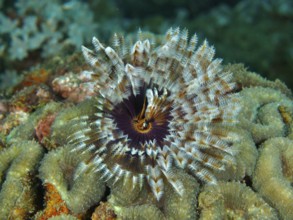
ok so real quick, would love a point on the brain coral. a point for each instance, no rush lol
(59, 169)
(158, 107)
(159, 122)
(17, 167)
(232, 200)
(273, 177)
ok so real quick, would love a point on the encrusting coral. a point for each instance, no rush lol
(103, 211)
(75, 87)
(43, 128)
(54, 204)
(28, 129)
(273, 176)
(30, 98)
(158, 107)
(18, 164)
(232, 200)
(13, 119)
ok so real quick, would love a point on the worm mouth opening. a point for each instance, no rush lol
(144, 117)
(142, 125)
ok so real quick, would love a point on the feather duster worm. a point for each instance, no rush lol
(158, 107)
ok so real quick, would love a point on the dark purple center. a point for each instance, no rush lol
(129, 118)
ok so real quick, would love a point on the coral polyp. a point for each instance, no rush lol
(158, 107)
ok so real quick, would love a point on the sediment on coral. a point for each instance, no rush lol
(233, 200)
(79, 190)
(103, 211)
(273, 177)
(18, 164)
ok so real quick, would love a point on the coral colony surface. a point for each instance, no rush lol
(153, 128)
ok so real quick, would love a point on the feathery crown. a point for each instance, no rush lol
(158, 107)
